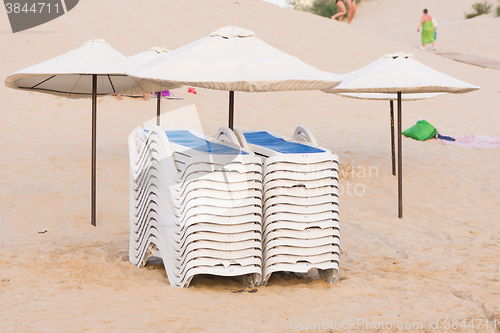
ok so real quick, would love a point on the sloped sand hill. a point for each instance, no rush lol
(399, 20)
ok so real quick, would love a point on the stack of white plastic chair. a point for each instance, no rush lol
(195, 203)
(301, 228)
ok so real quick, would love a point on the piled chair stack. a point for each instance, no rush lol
(301, 227)
(196, 203)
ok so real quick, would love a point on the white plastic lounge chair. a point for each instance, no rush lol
(301, 227)
(196, 203)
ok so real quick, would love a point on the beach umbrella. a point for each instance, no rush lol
(233, 59)
(391, 98)
(399, 74)
(144, 57)
(94, 69)
(149, 55)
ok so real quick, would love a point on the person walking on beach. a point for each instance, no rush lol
(427, 31)
(342, 10)
(351, 5)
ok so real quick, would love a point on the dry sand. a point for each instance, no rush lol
(399, 20)
(439, 262)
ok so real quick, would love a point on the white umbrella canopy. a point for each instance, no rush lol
(399, 72)
(233, 59)
(149, 55)
(401, 75)
(388, 97)
(70, 74)
(145, 57)
(94, 69)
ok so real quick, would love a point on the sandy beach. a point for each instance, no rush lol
(438, 263)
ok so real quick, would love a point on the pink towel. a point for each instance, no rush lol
(473, 141)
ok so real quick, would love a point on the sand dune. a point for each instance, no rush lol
(399, 19)
(439, 262)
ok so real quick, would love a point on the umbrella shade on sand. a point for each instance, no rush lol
(144, 57)
(94, 69)
(233, 59)
(391, 98)
(399, 74)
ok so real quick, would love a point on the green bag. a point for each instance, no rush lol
(422, 131)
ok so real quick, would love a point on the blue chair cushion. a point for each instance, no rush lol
(189, 140)
(280, 145)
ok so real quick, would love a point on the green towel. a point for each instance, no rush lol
(422, 131)
(427, 32)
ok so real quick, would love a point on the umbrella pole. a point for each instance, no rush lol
(158, 111)
(392, 139)
(94, 139)
(400, 160)
(231, 109)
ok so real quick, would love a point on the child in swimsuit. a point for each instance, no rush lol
(352, 10)
(342, 10)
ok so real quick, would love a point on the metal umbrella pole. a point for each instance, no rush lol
(392, 139)
(94, 158)
(231, 109)
(158, 111)
(400, 160)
